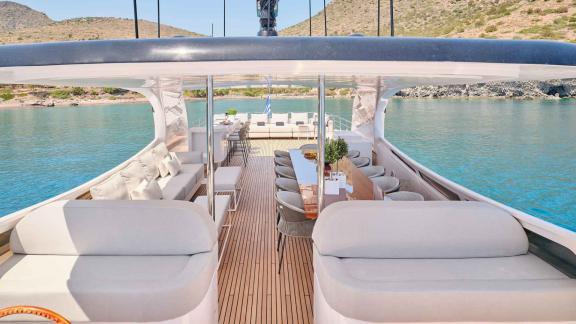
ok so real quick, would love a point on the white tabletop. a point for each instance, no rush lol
(305, 169)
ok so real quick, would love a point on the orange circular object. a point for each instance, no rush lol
(33, 310)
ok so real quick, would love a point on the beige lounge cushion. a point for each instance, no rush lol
(160, 151)
(133, 174)
(113, 188)
(226, 178)
(147, 190)
(508, 289)
(98, 227)
(108, 288)
(182, 185)
(431, 229)
(149, 163)
(222, 202)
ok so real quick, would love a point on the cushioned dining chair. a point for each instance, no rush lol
(285, 184)
(309, 147)
(352, 154)
(361, 161)
(405, 196)
(386, 183)
(283, 162)
(373, 171)
(293, 222)
(283, 154)
(284, 172)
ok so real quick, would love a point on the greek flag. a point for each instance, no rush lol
(268, 109)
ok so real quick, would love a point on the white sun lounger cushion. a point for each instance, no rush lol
(99, 227)
(106, 289)
(434, 229)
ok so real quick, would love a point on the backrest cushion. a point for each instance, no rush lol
(254, 118)
(133, 174)
(299, 117)
(112, 188)
(279, 118)
(84, 227)
(429, 230)
(148, 161)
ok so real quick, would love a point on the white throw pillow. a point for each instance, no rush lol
(148, 161)
(147, 190)
(172, 165)
(162, 168)
(112, 188)
(133, 174)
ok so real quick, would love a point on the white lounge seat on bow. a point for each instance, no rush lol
(115, 261)
(437, 261)
(222, 203)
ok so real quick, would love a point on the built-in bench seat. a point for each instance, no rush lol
(440, 261)
(280, 126)
(114, 261)
(180, 186)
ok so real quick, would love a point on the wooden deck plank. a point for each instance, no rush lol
(250, 289)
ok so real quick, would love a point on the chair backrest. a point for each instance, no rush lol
(361, 161)
(284, 171)
(373, 170)
(290, 206)
(418, 230)
(106, 227)
(285, 184)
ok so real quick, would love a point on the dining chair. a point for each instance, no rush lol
(285, 184)
(360, 161)
(387, 184)
(283, 154)
(309, 147)
(293, 222)
(283, 162)
(284, 172)
(373, 171)
(352, 154)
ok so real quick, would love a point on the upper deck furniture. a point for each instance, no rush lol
(115, 261)
(359, 185)
(435, 261)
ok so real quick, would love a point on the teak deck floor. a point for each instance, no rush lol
(250, 288)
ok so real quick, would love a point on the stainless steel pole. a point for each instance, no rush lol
(136, 19)
(321, 140)
(392, 18)
(158, 6)
(224, 18)
(210, 145)
(310, 15)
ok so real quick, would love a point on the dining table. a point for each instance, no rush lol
(357, 187)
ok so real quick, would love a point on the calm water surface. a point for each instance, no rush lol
(521, 153)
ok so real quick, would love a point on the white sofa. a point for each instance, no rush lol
(437, 261)
(281, 125)
(179, 187)
(115, 261)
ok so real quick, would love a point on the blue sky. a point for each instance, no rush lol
(194, 15)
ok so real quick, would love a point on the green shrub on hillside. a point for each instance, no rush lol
(77, 91)
(60, 94)
(113, 91)
(7, 95)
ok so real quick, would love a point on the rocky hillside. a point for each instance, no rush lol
(16, 16)
(512, 19)
(21, 24)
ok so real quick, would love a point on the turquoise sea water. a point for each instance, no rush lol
(521, 153)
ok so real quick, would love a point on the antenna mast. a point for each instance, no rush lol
(267, 12)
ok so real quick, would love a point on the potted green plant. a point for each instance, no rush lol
(341, 150)
(232, 111)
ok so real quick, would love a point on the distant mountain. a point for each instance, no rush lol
(519, 19)
(16, 16)
(21, 24)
